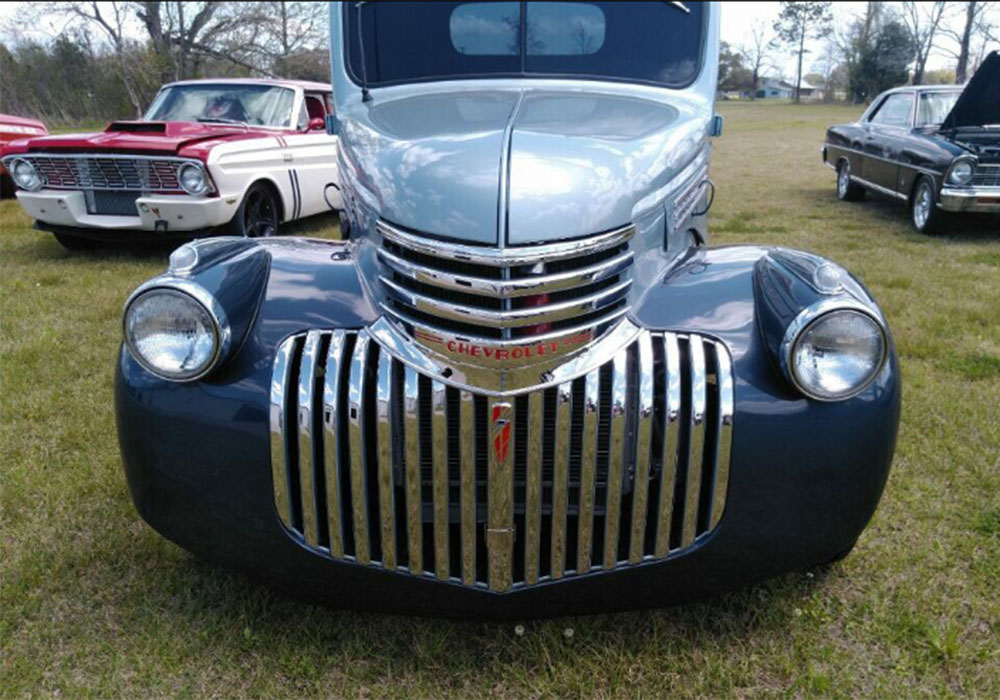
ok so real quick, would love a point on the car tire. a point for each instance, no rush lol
(924, 214)
(76, 243)
(257, 216)
(847, 190)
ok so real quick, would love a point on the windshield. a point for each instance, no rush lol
(651, 42)
(934, 107)
(261, 105)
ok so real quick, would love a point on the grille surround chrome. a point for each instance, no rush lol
(986, 176)
(375, 463)
(109, 171)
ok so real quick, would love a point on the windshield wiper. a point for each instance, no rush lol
(220, 120)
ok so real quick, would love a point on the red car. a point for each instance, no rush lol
(11, 129)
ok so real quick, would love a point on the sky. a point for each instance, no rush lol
(736, 18)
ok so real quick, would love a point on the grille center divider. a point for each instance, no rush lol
(378, 464)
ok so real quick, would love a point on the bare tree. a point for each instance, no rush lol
(975, 23)
(757, 53)
(289, 30)
(797, 23)
(922, 20)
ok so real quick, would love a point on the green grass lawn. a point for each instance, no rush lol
(93, 602)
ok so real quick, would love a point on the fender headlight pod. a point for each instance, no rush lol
(193, 179)
(961, 172)
(177, 331)
(834, 350)
(25, 175)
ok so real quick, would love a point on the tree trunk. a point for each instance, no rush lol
(963, 52)
(798, 74)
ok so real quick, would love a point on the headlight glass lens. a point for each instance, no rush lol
(171, 334)
(192, 179)
(838, 355)
(26, 176)
(961, 173)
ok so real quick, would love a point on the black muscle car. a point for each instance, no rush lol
(935, 147)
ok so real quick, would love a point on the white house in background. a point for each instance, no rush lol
(777, 88)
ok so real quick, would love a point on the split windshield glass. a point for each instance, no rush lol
(649, 42)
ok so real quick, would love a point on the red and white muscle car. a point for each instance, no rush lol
(12, 129)
(245, 154)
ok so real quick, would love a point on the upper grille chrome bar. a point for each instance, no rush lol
(378, 464)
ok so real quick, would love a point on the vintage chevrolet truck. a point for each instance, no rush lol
(523, 385)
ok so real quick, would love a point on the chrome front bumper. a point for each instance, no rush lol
(985, 200)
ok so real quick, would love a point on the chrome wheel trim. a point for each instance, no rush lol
(843, 179)
(259, 215)
(922, 203)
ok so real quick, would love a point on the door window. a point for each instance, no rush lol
(895, 111)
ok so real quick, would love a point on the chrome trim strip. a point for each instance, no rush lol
(331, 442)
(533, 488)
(307, 456)
(669, 458)
(384, 427)
(560, 478)
(588, 471)
(506, 257)
(411, 462)
(618, 456)
(467, 431)
(508, 288)
(357, 439)
(727, 410)
(281, 373)
(696, 441)
(439, 461)
(878, 188)
(919, 168)
(508, 319)
(643, 449)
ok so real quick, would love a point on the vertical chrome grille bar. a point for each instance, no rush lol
(588, 472)
(331, 442)
(696, 451)
(560, 478)
(439, 457)
(500, 496)
(279, 449)
(668, 462)
(616, 458)
(355, 421)
(307, 456)
(467, 431)
(533, 488)
(386, 440)
(724, 383)
(411, 460)
(644, 439)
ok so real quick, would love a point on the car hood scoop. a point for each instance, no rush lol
(979, 103)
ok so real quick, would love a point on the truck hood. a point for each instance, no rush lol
(979, 103)
(159, 138)
(541, 164)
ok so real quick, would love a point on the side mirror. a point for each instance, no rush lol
(317, 124)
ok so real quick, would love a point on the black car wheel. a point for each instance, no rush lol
(924, 213)
(76, 242)
(847, 190)
(257, 216)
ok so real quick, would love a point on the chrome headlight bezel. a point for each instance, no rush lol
(17, 163)
(952, 176)
(200, 296)
(206, 183)
(808, 318)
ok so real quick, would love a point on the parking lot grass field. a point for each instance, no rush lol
(94, 603)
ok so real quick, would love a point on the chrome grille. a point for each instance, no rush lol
(986, 176)
(491, 294)
(377, 464)
(92, 172)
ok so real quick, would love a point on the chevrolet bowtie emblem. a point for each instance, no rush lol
(500, 526)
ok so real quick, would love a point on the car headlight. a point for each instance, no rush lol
(193, 178)
(831, 354)
(961, 173)
(26, 175)
(175, 335)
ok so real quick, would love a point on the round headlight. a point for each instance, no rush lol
(837, 355)
(25, 175)
(192, 178)
(172, 334)
(961, 173)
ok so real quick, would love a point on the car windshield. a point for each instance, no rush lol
(651, 42)
(934, 107)
(261, 105)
